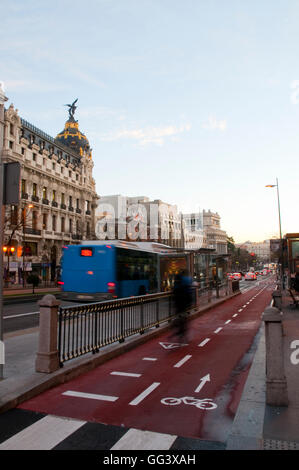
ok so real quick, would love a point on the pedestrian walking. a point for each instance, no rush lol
(296, 282)
(183, 300)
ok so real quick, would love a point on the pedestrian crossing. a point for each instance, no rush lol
(27, 430)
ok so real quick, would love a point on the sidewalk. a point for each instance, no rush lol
(256, 426)
(22, 294)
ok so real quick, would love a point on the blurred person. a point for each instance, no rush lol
(296, 282)
(183, 300)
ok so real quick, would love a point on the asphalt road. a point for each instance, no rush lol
(23, 316)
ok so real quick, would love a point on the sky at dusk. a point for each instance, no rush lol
(194, 102)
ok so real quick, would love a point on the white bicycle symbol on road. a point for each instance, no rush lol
(203, 404)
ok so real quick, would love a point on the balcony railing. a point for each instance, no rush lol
(32, 231)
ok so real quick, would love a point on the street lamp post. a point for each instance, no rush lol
(25, 213)
(280, 232)
(3, 98)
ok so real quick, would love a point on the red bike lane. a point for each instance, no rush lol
(188, 389)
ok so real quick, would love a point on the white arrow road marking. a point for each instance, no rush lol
(203, 381)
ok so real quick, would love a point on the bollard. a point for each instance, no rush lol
(196, 297)
(276, 384)
(277, 299)
(47, 358)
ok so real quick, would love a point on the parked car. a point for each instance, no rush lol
(250, 276)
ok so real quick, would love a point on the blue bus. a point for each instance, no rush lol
(97, 270)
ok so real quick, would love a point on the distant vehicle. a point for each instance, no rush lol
(237, 276)
(230, 276)
(250, 276)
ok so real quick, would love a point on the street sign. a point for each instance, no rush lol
(11, 180)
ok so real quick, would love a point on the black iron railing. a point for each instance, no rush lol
(89, 327)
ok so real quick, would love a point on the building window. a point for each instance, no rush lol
(54, 222)
(45, 218)
(62, 224)
(54, 195)
(34, 189)
(44, 193)
(88, 229)
(14, 215)
(53, 166)
(23, 151)
(62, 198)
(34, 220)
(23, 186)
(34, 157)
(11, 129)
(71, 226)
(62, 169)
(10, 144)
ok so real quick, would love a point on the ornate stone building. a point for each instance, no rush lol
(57, 195)
(138, 219)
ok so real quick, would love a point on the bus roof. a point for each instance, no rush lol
(144, 246)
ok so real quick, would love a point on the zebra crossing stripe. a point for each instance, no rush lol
(42, 435)
(135, 439)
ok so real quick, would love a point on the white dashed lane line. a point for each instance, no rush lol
(205, 341)
(218, 329)
(125, 374)
(182, 361)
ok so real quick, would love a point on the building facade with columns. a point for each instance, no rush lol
(138, 218)
(203, 230)
(57, 196)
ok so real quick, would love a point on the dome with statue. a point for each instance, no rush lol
(71, 136)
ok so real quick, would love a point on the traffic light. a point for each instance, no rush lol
(8, 250)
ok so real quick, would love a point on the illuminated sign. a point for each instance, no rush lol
(86, 252)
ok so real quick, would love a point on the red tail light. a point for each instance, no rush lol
(111, 287)
(60, 283)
